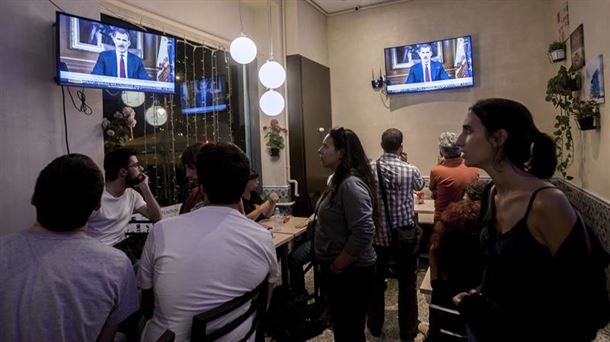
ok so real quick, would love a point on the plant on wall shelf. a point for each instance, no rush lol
(587, 114)
(273, 135)
(559, 92)
(557, 51)
(118, 131)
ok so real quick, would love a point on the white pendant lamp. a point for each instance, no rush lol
(272, 74)
(272, 103)
(243, 49)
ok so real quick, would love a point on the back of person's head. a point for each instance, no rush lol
(525, 146)
(116, 160)
(223, 170)
(447, 145)
(67, 191)
(391, 140)
(474, 191)
(456, 238)
(189, 156)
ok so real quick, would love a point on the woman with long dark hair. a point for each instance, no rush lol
(538, 259)
(344, 233)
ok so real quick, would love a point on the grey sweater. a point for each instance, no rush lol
(346, 224)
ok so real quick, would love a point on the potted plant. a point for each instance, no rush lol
(557, 51)
(118, 131)
(587, 114)
(275, 140)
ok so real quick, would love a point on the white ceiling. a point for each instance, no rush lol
(334, 7)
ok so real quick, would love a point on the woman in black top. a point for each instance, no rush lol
(254, 206)
(533, 241)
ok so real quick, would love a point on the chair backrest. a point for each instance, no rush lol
(257, 309)
(167, 336)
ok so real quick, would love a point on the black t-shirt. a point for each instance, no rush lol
(249, 207)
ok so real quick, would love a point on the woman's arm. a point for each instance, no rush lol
(358, 211)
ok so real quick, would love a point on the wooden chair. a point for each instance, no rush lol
(258, 307)
(167, 336)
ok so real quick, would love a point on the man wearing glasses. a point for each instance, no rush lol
(120, 200)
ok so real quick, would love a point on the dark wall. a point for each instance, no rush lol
(309, 121)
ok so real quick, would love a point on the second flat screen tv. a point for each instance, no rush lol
(99, 55)
(203, 96)
(427, 66)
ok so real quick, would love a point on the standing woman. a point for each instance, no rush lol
(343, 238)
(537, 259)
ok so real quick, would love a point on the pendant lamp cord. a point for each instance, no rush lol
(269, 27)
(241, 23)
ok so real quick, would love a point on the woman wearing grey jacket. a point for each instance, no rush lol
(344, 233)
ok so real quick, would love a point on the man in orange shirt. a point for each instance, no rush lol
(450, 177)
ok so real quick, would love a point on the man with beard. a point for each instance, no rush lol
(120, 200)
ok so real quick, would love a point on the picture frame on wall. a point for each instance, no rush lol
(563, 22)
(577, 48)
(594, 79)
(92, 36)
(404, 57)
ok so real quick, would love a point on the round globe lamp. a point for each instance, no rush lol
(272, 74)
(243, 49)
(272, 103)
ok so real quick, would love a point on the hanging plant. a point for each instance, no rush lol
(118, 131)
(559, 92)
(275, 140)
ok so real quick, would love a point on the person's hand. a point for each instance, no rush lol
(273, 197)
(143, 181)
(457, 299)
(403, 156)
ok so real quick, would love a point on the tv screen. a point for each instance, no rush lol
(441, 64)
(203, 96)
(98, 55)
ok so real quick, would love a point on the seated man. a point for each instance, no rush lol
(451, 176)
(195, 262)
(119, 62)
(120, 201)
(427, 70)
(254, 206)
(56, 283)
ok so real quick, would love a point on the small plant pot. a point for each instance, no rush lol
(588, 123)
(274, 152)
(557, 55)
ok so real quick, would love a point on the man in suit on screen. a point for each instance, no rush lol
(120, 62)
(427, 70)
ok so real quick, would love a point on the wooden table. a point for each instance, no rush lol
(426, 285)
(425, 208)
(294, 227)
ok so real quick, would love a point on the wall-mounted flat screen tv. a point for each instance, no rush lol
(98, 55)
(203, 96)
(427, 66)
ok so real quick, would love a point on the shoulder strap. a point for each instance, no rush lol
(533, 197)
(383, 195)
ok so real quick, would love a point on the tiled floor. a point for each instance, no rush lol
(391, 324)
